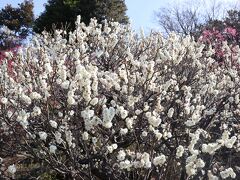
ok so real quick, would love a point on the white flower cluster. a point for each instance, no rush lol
(121, 155)
(228, 172)
(12, 169)
(108, 115)
(180, 151)
(153, 120)
(211, 148)
(4, 100)
(111, 148)
(52, 149)
(159, 160)
(42, 135)
(103, 99)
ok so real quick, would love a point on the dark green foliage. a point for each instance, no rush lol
(113, 10)
(63, 13)
(232, 20)
(18, 19)
(57, 14)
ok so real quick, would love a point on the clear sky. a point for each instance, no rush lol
(140, 12)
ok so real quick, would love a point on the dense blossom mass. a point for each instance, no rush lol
(104, 103)
(223, 42)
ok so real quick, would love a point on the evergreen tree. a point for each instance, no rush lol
(18, 19)
(63, 13)
(57, 13)
(117, 7)
(231, 20)
(15, 22)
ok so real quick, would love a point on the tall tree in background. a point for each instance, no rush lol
(189, 17)
(57, 13)
(232, 20)
(182, 18)
(63, 13)
(113, 10)
(15, 23)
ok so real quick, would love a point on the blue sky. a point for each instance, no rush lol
(140, 12)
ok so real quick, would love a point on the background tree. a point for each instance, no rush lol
(190, 17)
(113, 10)
(216, 32)
(182, 21)
(60, 13)
(16, 22)
(232, 20)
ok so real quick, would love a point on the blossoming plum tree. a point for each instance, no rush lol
(108, 104)
(221, 41)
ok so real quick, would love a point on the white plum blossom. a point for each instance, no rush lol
(193, 165)
(48, 68)
(225, 140)
(36, 111)
(12, 169)
(170, 112)
(94, 101)
(53, 124)
(210, 148)
(71, 100)
(154, 121)
(159, 160)
(69, 138)
(123, 112)
(145, 160)
(88, 116)
(158, 134)
(228, 172)
(42, 135)
(123, 131)
(129, 123)
(85, 136)
(121, 155)
(114, 146)
(4, 100)
(108, 115)
(180, 151)
(52, 149)
(65, 84)
(144, 133)
(22, 118)
(230, 142)
(26, 99)
(58, 137)
(125, 164)
(111, 148)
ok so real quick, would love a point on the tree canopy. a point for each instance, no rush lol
(63, 13)
(232, 19)
(15, 24)
(192, 17)
(18, 19)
